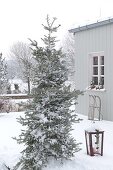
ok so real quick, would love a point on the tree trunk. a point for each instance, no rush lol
(28, 81)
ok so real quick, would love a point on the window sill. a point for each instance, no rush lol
(95, 90)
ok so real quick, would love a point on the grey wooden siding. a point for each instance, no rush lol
(88, 41)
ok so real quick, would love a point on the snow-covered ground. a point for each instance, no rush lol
(10, 150)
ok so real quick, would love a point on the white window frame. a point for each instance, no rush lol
(99, 65)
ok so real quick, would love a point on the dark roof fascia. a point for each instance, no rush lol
(90, 26)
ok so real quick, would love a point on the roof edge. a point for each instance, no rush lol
(90, 26)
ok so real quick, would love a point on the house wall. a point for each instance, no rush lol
(98, 39)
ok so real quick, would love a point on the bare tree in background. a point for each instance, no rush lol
(69, 48)
(3, 75)
(22, 52)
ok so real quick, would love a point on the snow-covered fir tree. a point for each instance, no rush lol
(3, 75)
(49, 120)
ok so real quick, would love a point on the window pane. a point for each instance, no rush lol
(102, 80)
(102, 60)
(95, 80)
(102, 70)
(95, 70)
(95, 60)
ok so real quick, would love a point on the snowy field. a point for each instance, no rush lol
(10, 150)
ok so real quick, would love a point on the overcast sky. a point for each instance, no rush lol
(23, 19)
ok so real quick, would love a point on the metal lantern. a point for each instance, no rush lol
(94, 142)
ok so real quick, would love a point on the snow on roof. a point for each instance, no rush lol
(15, 80)
(93, 25)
